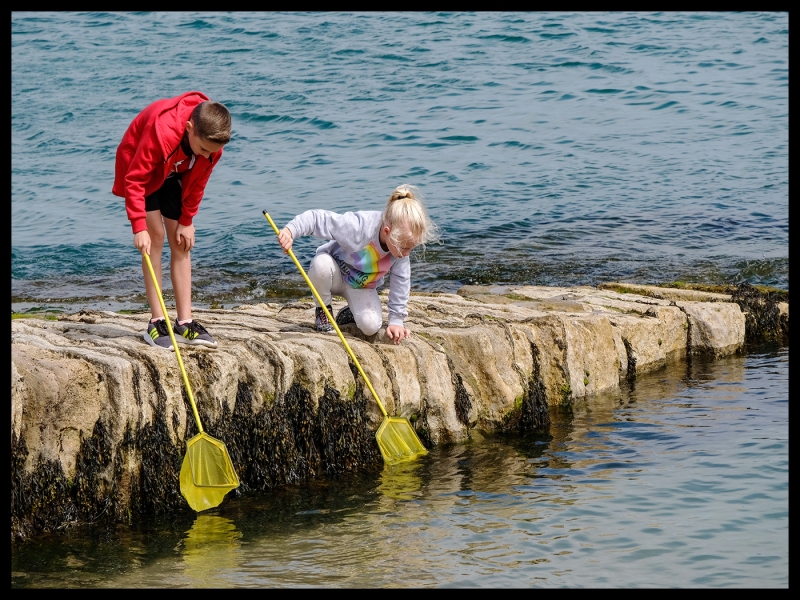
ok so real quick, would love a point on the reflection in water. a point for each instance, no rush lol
(678, 480)
(401, 481)
(210, 550)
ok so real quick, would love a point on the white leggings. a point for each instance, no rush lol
(364, 303)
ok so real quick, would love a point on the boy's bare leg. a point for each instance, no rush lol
(180, 265)
(155, 228)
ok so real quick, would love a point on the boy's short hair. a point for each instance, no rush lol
(212, 122)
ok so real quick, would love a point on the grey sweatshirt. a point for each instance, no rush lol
(355, 246)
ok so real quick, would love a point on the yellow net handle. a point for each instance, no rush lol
(174, 343)
(330, 318)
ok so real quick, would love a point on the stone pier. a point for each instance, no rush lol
(99, 418)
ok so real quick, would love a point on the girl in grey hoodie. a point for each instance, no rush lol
(364, 246)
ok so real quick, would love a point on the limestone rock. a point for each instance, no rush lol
(99, 418)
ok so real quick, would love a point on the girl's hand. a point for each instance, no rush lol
(397, 333)
(285, 240)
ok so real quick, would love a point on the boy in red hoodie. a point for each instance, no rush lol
(162, 167)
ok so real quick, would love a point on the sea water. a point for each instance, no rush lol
(552, 148)
(679, 480)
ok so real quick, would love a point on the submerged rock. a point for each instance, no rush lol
(99, 418)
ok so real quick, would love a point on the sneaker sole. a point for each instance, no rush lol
(183, 340)
(152, 342)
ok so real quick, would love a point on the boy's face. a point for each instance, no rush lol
(199, 145)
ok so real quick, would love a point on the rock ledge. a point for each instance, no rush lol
(99, 418)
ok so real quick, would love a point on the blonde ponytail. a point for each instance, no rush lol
(405, 212)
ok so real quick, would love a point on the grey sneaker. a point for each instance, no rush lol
(322, 324)
(193, 333)
(345, 316)
(157, 335)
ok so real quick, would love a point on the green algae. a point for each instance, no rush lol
(726, 289)
(520, 297)
(566, 393)
(49, 316)
(623, 289)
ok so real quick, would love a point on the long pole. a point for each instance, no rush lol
(330, 318)
(174, 343)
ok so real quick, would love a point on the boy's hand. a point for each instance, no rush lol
(397, 333)
(285, 239)
(141, 241)
(187, 233)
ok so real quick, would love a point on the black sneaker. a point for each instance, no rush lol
(157, 335)
(345, 316)
(322, 323)
(193, 333)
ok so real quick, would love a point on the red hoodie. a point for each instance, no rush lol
(149, 150)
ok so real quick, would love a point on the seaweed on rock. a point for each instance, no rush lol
(763, 318)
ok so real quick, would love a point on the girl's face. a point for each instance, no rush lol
(403, 247)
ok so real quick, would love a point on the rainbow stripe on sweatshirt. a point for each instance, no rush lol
(365, 268)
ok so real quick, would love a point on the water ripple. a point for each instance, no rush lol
(632, 145)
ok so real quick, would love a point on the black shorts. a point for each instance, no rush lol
(167, 199)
